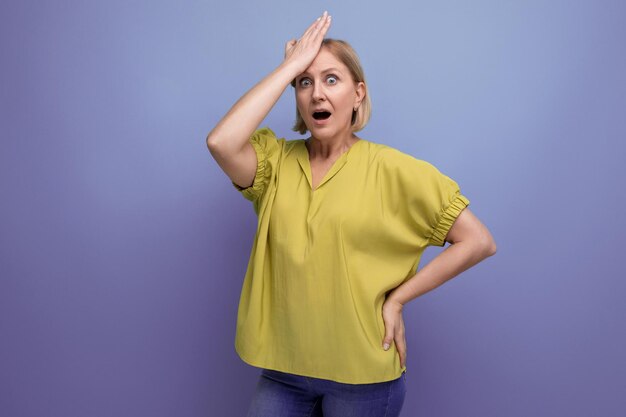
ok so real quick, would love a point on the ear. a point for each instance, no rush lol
(360, 90)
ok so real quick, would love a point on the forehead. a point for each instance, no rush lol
(323, 61)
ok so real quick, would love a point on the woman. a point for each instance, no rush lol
(342, 225)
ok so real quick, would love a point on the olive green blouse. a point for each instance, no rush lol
(323, 260)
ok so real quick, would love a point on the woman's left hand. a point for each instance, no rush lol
(394, 328)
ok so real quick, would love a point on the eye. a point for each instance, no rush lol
(305, 82)
(332, 79)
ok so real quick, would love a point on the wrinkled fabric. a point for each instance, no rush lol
(323, 260)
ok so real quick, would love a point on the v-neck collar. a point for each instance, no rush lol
(305, 163)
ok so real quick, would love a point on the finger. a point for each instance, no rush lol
(388, 337)
(288, 47)
(322, 25)
(321, 31)
(319, 24)
(314, 25)
(401, 348)
(400, 341)
(290, 44)
(326, 24)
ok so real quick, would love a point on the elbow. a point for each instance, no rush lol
(214, 138)
(489, 247)
(483, 245)
(211, 141)
(215, 146)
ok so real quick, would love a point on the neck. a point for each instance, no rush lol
(330, 148)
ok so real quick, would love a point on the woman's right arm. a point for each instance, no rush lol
(228, 141)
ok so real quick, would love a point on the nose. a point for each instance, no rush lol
(318, 92)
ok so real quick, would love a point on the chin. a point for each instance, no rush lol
(323, 132)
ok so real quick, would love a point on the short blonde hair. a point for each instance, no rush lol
(347, 55)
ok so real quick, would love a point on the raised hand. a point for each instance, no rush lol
(303, 51)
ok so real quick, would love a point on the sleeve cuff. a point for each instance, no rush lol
(257, 186)
(448, 217)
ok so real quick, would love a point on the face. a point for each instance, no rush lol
(326, 94)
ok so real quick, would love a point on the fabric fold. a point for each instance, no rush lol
(252, 192)
(267, 150)
(447, 218)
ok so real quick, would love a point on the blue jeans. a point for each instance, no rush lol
(280, 394)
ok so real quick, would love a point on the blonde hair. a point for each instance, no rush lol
(347, 55)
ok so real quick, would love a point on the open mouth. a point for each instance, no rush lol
(321, 115)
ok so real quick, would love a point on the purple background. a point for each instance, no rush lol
(123, 245)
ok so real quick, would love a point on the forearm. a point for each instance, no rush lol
(451, 262)
(236, 127)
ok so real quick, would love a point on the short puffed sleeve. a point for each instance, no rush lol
(268, 150)
(427, 199)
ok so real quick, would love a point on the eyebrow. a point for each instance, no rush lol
(323, 72)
